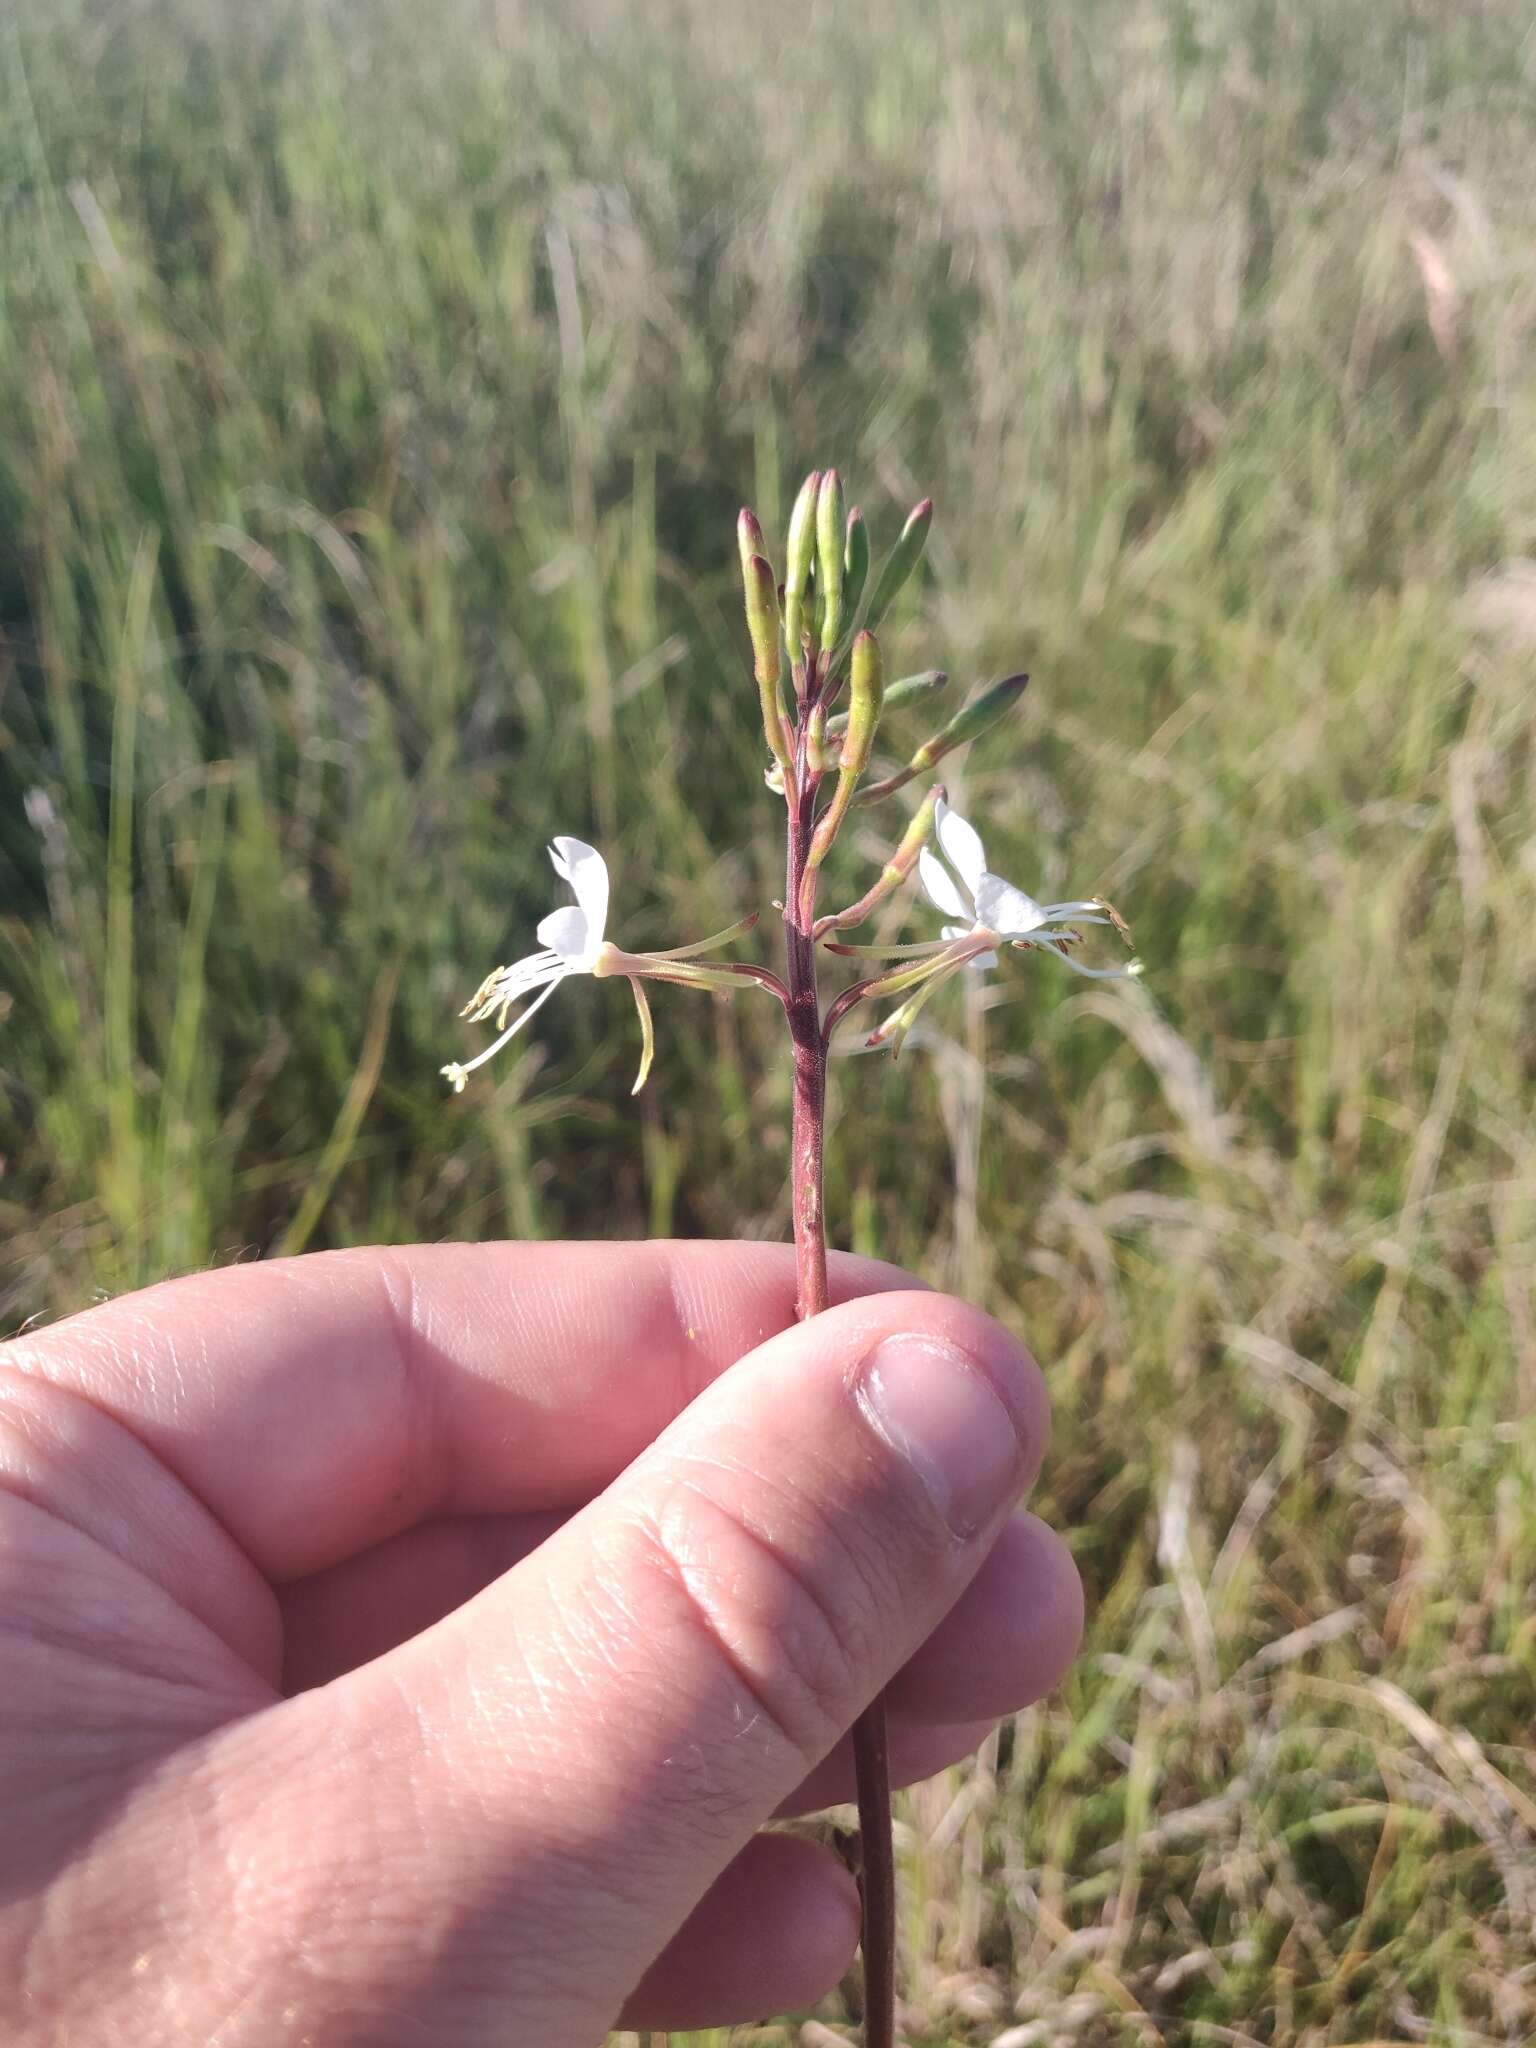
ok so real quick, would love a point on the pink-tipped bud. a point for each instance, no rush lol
(749, 537)
(901, 561)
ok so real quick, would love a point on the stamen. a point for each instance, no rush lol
(469, 1066)
(1131, 971)
(1116, 920)
(507, 984)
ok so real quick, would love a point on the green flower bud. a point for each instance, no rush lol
(970, 722)
(799, 549)
(866, 692)
(763, 625)
(967, 724)
(900, 562)
(829, 556)
(866, 698)
(917, 834)
(900, 692)
(895, 871)
(855, 562)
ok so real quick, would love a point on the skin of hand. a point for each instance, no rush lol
(408, 1645)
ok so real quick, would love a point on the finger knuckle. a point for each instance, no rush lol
(788, 1596)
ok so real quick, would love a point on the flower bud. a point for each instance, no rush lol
(749, 537)
(855, 562)
(829, 556)
(866, 697)
(970, 722)
(895, 871)
(763, 625)
(900, 562)
(918, 833)
(866, 690)
(762, 616)
(902, 691)
(799, 548)
(967, 724)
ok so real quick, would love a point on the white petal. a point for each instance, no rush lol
(961, 844)
(587, 872)
(1002, 908)
(940, 885)
(566, 932)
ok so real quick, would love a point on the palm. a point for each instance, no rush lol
(218, 1499)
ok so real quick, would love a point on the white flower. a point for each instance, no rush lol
(574, 942)
(572, 939)
(996, 909)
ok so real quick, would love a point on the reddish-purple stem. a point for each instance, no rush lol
(808, 1141)
(877, 1873)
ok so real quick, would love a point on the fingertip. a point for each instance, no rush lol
(774, 1933)
(1010, 1638)
(1003, 1359)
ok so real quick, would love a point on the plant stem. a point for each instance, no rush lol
(808, 1133)
(877, 1875)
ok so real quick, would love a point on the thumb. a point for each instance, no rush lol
(584, 1747)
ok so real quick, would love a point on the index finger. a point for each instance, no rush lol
(318, 1405)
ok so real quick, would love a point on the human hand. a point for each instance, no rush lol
(410, 1645)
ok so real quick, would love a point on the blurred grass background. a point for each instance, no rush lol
(379, 387)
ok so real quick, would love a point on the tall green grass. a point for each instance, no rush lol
(379, 386)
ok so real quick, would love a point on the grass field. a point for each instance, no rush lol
(379, 384)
